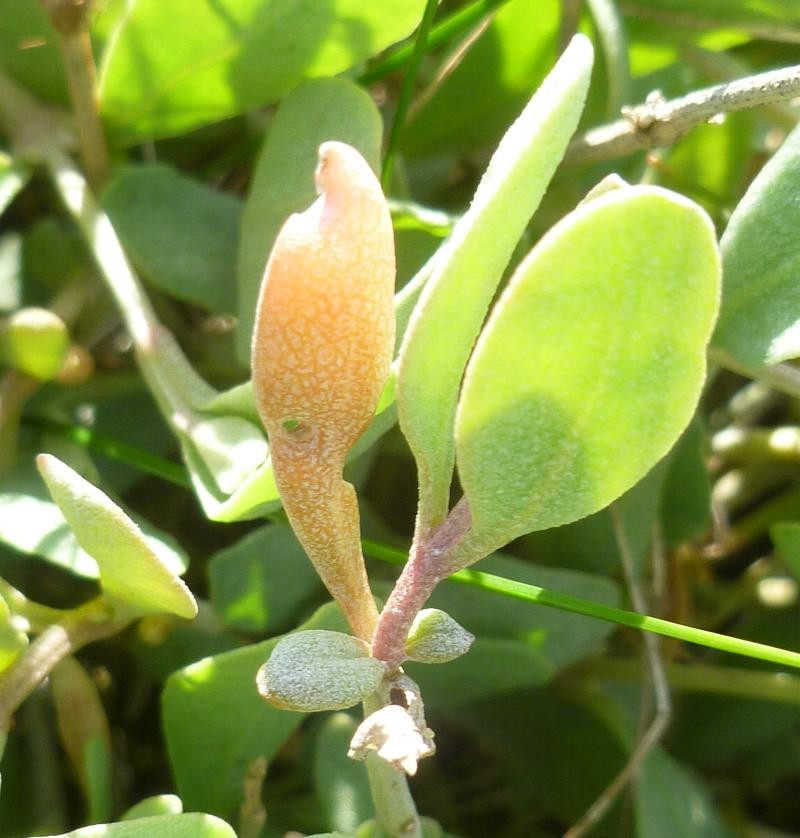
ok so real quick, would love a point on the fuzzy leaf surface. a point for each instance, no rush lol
(310, 671)
(468, 267)
(590, 366)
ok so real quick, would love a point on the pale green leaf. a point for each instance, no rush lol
(468, 267)
(590, 366)
(283, 179)
(759, 320)
(192, 825)
(132, 574)
(179, 233)
(210, 761)
(158, 804)
(164, 74)
(12, 641)
(310, 671)
(435, 637)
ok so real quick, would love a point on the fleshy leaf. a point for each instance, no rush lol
(180, 233)
(131, 572)
(590, 365)
(282, 182)
(322, 348)
(435, 637)
(191, 825)
(319, 670)
(759, 321)
(158, 804)
(468, 267)
(34, 341)
(244, 54)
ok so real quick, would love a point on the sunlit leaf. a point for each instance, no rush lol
(467, 269)
(131, 573)
(590, 366)
(167, 73)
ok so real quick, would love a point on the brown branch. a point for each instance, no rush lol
(658, 122)
(71, 21)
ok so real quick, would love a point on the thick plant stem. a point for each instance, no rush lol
(394, 806)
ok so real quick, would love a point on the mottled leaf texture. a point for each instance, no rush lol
(319, 670)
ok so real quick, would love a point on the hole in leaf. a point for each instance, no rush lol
(291, 425)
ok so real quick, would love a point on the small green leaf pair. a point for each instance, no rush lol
(315, 670)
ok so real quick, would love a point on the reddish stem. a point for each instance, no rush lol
(427, 565)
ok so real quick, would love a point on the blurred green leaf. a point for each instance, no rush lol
(29, 51)
(283, 178)
(242, 54)
(13, 177)
(132, 574)
(744, 14)
(261, 582)
(671, 801)
(181, 234)
(490, 85)
(492, 666)
(759, 321)
(210, 761)
(12, 641)
(583, 355)
(10, 272)
(340, 782)
(193, 825)
(468, 267)
(786, 537)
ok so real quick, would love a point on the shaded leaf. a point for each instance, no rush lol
(223, 688)
(159, 804)
(259, 583)
(341, 783)
(181, 234)
(435, 637)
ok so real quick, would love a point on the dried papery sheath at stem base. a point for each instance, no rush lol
(322, 347)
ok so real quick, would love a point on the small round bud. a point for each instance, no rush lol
(34, 341)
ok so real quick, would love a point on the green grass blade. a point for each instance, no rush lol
(576, 605)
